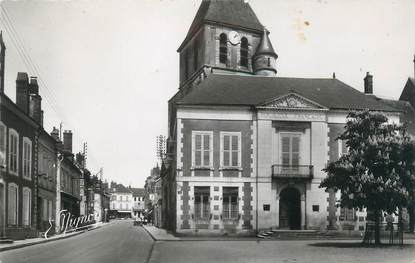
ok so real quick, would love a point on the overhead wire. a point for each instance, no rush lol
(50, 97)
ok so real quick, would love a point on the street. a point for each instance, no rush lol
(118, 242)
(121, 242)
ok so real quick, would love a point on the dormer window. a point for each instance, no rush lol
(223, 48)
(244, 52)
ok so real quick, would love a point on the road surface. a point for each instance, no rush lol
(118, 242)
(121, 242)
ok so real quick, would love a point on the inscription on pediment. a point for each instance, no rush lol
(293, 101)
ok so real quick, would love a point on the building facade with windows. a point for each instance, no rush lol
(246, 148)
(138, 202)
(46, 198)
(121, 201)
(18, 159)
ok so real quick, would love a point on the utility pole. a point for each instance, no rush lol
(85, 153)
(60, 130)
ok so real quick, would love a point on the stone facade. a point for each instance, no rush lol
(246, 149)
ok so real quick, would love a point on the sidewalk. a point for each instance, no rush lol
(34, 241)
(159, 234)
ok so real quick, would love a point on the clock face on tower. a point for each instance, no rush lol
(234, 37)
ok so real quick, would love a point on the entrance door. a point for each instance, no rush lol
(290, 209)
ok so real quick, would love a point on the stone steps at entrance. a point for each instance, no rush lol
(5, 240)
(283, 233)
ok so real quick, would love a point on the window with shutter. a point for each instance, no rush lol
(45, 209)
(290, 151)
(202, 149)
(13, 151)
(27, 204)
(27, 158)
(12, 204)
(342, 147)
(2, 145)
(230, 149)
(50, 209)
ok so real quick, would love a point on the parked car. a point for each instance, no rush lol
(137, 222)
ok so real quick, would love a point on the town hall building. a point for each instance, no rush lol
(246, 147)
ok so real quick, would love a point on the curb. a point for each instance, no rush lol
(49, 239)
(151, 235)
(39, 242)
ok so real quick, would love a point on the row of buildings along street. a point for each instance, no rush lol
(42, 176)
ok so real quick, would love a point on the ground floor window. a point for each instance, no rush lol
(202, 202)
(27, 206)
(12, 204)
(230, 203)
(347, 214)
(50, 209)
(44, 209)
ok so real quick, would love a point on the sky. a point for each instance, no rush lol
(108, 68)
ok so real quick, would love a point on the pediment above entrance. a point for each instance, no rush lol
(292, 101)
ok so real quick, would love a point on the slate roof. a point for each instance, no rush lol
(408, 93)
(265, 47)
(221, 89)
(138, 191)
(408, 117)
(119, 188)
(234, 13)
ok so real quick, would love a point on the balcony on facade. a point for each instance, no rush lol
(292, 171)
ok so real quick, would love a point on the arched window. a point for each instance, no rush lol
(27, 206)
(244, 52)
(223, 48)
(12, 204)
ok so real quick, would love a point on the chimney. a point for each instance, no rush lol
(35, 101)
(368, 84)
(67, 141)
(55, 134)
(22, 92)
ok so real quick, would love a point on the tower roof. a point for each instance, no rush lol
(232, 13)
(265, 47)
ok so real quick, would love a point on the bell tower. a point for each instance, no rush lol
(222, 42)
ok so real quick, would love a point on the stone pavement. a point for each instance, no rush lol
(34, 241)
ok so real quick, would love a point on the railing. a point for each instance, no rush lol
(292, 171)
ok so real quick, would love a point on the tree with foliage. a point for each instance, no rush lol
(378, 171)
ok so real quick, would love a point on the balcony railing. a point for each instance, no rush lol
(292, 171)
